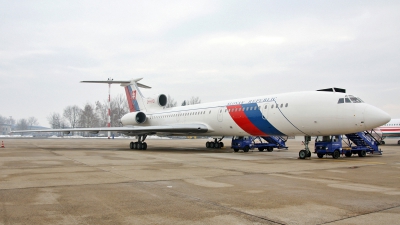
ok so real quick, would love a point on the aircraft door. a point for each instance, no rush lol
(220, 114)
(264, 110)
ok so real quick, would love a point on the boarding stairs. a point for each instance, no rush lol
(364, 140)
(277, 140)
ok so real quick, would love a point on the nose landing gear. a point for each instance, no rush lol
(305, 153)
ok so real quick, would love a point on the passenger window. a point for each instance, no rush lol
(281, 105)
(272, 106)
(341, 100)
(347, 100)
(266, 106)
(277, 106)
(286, 105)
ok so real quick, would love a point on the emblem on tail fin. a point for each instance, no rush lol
(134, 95)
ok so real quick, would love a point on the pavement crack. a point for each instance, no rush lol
(363, 214)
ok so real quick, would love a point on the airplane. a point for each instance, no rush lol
(390, 129)
(323, 112)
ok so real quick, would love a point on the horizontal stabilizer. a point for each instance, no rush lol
(122, 82)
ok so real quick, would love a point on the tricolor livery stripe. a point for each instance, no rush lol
(250, 119)
(132, 102)
(390, 130)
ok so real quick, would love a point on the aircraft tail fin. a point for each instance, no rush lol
(134, 95)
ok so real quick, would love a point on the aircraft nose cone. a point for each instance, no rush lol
(374, 117)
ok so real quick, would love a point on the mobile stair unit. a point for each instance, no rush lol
(361, 143)
(246, 143)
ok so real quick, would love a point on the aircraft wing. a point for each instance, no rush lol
(174, 129)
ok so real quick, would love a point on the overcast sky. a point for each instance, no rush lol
(215, 50)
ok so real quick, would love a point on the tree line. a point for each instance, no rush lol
(90, 115)
(95, 115)
(21, 124)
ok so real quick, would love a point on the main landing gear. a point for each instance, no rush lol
(140, 144)
(216, 143)
(306, 151)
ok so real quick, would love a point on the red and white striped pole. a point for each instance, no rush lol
(109, 108)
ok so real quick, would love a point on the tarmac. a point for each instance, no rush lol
(101, 181)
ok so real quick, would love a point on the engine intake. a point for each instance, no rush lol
(140, 117)
(162, 100)
(134, 118)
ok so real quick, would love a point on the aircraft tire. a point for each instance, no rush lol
(302, 154)
(131, 146)
(221, 144)
(362, 153)
(207, 144)
(211, 145)
(217, 145)
(398, 142)
(246, 149)
(336, 154)
(135, 145)
(144, 146)
(383, 142)
(320, 155)
(270, 149)
(139, 145)
(260, 149)
(235, 149)
(348, 154)
(308, 154)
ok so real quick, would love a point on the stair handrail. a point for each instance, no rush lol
(349, 142)
(372, 136)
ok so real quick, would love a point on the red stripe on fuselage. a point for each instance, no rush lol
(240, 118)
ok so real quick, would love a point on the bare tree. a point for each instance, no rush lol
(7, 120)
(22, 124)
(3, 120)
(11, 121)
(88, 117)
(193, 100)
(102, 112)
(119, 107)
(56, 121)
(71, 113)
(32, 121)
(171, 102)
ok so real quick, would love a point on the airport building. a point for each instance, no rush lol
(5, 129)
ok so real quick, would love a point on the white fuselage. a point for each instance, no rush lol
(390, 129)
(300, 113)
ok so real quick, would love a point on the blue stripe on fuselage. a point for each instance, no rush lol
(256, 118)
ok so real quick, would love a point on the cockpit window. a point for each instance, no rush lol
(350, 99)
(355, 99)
